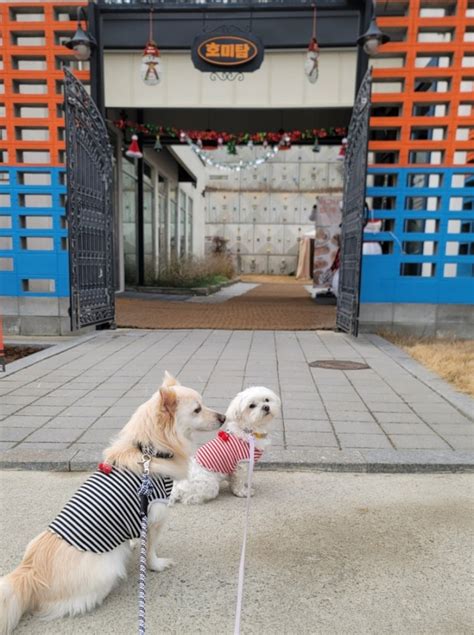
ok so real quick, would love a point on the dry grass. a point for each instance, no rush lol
(196, 272)
(261, 278)
(451, 359)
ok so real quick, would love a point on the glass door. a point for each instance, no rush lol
(129, 222)
(162, 221)
(189, 229)
(149, 224)
(182, 224)
(173, 220)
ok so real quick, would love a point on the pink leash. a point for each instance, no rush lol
(240, 588)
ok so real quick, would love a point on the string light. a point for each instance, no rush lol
(204, 141)
(235, 166)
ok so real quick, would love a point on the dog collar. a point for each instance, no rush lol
(149, 450)
(257, 435)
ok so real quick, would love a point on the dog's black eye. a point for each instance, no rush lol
(252, 405)
(198, 410)
(267, 400)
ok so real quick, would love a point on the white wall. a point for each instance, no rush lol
(264, 212)
(279, 83)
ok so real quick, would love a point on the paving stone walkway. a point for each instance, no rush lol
(60, 407)
(282, 305)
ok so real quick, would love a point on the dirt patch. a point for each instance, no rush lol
(451, 359)
(14, 352)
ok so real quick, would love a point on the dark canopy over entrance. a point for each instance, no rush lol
(281, 24)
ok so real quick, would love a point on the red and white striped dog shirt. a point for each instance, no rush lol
(223, 453)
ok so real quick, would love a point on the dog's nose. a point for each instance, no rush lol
(266, 408)
(221, 418)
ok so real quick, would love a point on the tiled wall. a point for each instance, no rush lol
(33, 231)
(263, 213)
(421, 154)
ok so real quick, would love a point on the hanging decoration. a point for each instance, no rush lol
(311, 64)
(158, 146)
(342, 150)
(214, 138)
(134, 149)
(202, 141)
(235, 166)
(151, 67)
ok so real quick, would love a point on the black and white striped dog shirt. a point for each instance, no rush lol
(105, 510)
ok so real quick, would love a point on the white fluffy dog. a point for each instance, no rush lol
(226, 457)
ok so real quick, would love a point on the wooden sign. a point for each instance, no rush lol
(225, 50)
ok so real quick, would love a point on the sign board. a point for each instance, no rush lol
(227, 49)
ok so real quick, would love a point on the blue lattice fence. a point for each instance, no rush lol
(428, 236)
(33, 232)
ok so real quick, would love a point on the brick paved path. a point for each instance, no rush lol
(277, 305)
(60, 411)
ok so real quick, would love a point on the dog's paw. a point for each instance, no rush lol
(242, 493)
(159, 564)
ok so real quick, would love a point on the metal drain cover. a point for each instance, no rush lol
(338, 364)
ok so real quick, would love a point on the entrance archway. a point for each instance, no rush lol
(109, 34)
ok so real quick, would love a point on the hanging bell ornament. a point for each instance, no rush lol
(285, 142)
(311, 65)
(158, 147)
(342, 150)
(151, 67)
(134, 149)
(316, 147)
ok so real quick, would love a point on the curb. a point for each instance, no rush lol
(50, 350)
(210, 290)
(314, 460)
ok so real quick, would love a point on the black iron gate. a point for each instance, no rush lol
(89, 208)
(353, 211)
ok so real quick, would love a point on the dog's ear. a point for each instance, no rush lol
(169, 380)
(234, 411)
(168, 402)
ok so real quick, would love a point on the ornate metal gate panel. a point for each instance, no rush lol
(355, 175)
(89, 208)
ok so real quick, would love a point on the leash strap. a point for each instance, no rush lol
(240, 588)
(143, 567)
(142, 576)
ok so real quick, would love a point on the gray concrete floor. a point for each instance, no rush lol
(59, 409)
(328, 554)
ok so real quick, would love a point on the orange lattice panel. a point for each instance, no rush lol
(424, 80)
(31, 120)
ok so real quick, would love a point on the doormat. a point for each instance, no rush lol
(338, 364)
